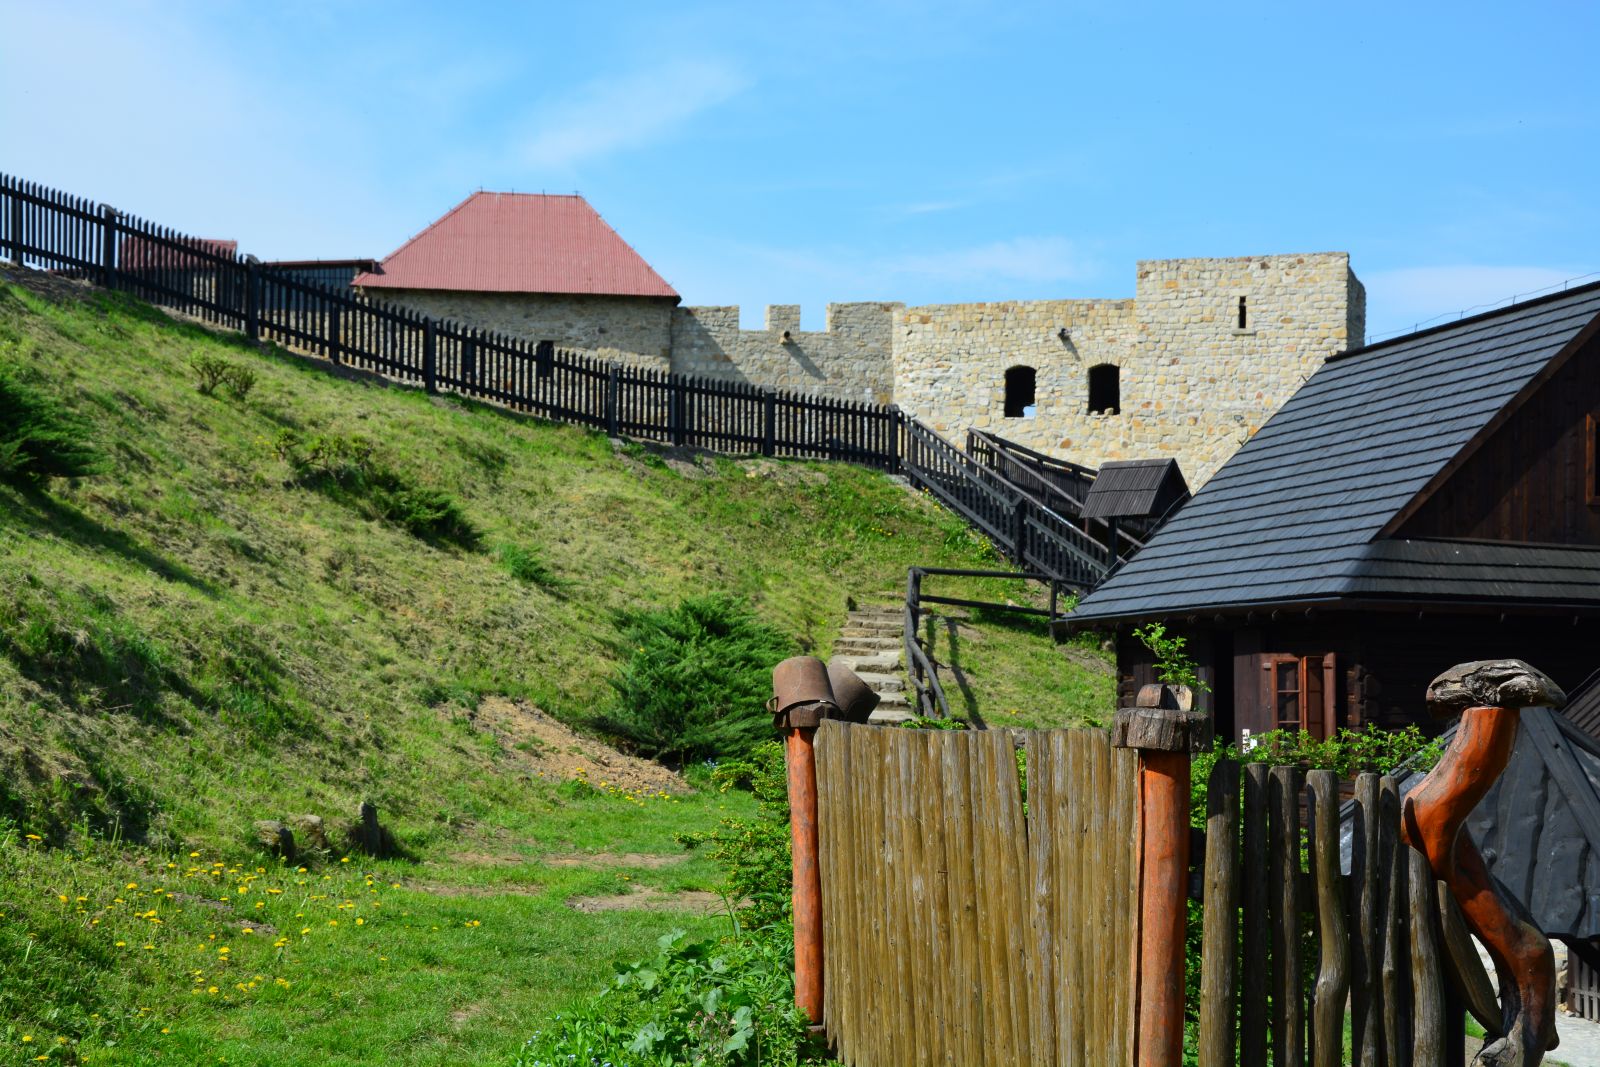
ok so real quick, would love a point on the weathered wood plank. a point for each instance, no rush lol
(1427, 979)
(1041, 829)
(1396, 952)
(1219, 951)
(1366, 953)
(1256, 920)
(1124, 842)
(1288, 1005)
(1333, 937)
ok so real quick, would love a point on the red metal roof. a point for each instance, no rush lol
(137, 252)
(520, 243)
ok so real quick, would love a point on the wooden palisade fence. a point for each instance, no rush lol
(959, 911)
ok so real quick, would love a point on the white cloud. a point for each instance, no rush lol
(1402, 299)
(1024, 259)
(614, 114)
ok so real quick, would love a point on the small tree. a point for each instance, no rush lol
(39, 439)
(1174, 666)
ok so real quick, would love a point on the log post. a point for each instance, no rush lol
(1488, 695)
(1333, 964)
(1164, 737)
(804, 693)
(1219, 975)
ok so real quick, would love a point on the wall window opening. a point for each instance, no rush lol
(1105, 389)
(1243, 319)
(1020, 383)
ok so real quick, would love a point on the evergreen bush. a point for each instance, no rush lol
(696, 680)
(40, 439)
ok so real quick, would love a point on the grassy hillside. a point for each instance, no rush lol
(209, 631)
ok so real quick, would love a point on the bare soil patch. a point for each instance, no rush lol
(646, 899)
(608, 860)
(504, 889)
(552, 750)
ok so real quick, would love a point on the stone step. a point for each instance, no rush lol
(882, 683)
(871, 631)
(874, 661)
(876, 616)
(866, 645)
(888, 716)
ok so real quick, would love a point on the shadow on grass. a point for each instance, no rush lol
(40, 514)
(952, 628)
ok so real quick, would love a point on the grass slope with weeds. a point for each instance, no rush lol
(193, 638)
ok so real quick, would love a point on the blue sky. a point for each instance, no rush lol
(807, 153)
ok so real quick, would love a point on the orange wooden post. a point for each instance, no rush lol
(802, 765)
(805, 692)
(1164, 737)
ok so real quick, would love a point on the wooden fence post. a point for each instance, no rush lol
(613, 398)
(430, 356)
(1019, 530)
(894, 439)
(675, 411)
(108, 246)
(335, 341)
(769, 422)
(544, 355)
(1333, 968)
(1219, 975)
(16, 226)
(1283, 866)
(252, 298)
(1165, 738)
(804, 693)
(1257, 935)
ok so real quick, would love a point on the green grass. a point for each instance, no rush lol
(192, 639)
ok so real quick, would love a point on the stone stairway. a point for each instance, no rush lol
(872, 643)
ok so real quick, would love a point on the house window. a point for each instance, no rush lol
(1020, 393)
(1105, 389)
(1300, 693)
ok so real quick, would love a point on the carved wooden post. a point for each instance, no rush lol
(1489, 696)
(1164, 737)
(805, 692)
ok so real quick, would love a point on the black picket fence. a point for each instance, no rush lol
(46, 229)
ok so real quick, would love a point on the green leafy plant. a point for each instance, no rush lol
(717, 1002)
(239, 381)
(39, 439)
(210, 372)
(696, 679)
(754, 853)
(1174, 665)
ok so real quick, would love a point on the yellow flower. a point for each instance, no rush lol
(344, 859)
(361, 922)
(27, 1037)
(33, 837)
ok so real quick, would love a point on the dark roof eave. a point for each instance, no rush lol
(1452, 605)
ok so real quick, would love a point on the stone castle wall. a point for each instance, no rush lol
(629, 329)
(1193, 384)
(848, 359)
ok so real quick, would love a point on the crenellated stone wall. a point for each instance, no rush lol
(848, 359)
(1192, 382)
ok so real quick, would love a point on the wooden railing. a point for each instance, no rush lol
(1023, 527)
(50, 230)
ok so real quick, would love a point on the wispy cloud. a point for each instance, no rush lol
(1023, 259)
(615, 114)
(1402, 299)
(929, 207)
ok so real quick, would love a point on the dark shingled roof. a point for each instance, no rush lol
(1134, 488)
(1539, 825)
(1295, 515)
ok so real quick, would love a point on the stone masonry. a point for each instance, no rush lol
(1190, 382)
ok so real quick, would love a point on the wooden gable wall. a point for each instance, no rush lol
(1534, 478)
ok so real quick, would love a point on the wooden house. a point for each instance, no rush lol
(1417, 503)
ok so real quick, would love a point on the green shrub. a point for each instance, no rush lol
(725, 1002)
(39, 439)
(209, 371)
(1174, 666)
(526, 563)
(696, 680)
(239, 381)
(754, 853)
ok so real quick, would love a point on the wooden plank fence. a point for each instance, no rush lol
(965, 923)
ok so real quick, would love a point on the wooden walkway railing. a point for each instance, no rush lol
(962, 924)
